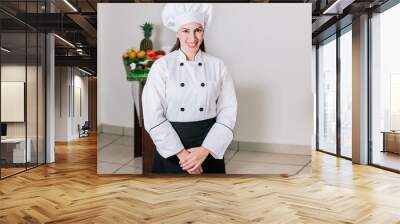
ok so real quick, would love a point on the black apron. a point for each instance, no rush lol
(192, 134)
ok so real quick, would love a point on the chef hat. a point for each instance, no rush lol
(175, 15)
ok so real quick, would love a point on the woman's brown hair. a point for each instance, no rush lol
(177, 45)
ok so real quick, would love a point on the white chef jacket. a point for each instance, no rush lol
(178, 90)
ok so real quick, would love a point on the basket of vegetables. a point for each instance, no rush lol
(138, 63)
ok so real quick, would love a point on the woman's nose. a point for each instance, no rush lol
(192, 36)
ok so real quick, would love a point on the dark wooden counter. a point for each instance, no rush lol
(144, 146)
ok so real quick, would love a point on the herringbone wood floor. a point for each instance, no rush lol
(70, 191)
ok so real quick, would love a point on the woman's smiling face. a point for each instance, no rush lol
(190, 36)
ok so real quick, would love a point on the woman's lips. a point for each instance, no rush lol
(193, 45)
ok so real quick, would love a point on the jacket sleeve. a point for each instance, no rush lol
(221, 133)
(156, 124)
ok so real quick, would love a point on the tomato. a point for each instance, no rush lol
(160, 52)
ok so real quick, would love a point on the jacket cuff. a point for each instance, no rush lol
(217, 140)
(166, 140)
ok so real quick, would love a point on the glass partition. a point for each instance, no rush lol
(14, 153)
(22, 88)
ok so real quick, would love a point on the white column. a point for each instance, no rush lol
(50, 100)
(360, 90)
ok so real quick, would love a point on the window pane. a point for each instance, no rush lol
(327, 97)
(386, 88)
(346, 94)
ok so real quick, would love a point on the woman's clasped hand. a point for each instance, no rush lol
(191, 159)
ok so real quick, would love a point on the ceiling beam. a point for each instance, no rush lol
(83, 61)
(337, 6)
(84, 24)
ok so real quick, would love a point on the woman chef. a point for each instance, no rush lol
(189, 101)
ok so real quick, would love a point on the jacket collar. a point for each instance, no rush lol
(197, 58)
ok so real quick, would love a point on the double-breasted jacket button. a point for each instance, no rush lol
(201, 109)
(182, 109)
(203, 84)
(182, 84)
(181, 64)
(200, 64)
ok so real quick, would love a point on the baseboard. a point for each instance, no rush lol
(234, 146)
(115, 130)
(270, 147)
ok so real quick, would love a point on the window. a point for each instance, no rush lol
(385, 89)
(327, 96)
(346, 93)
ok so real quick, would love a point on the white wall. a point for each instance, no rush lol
(66, 120)
(79, 118)
(61, 103)
(33, 125)
(267, 48)
(16, 72)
